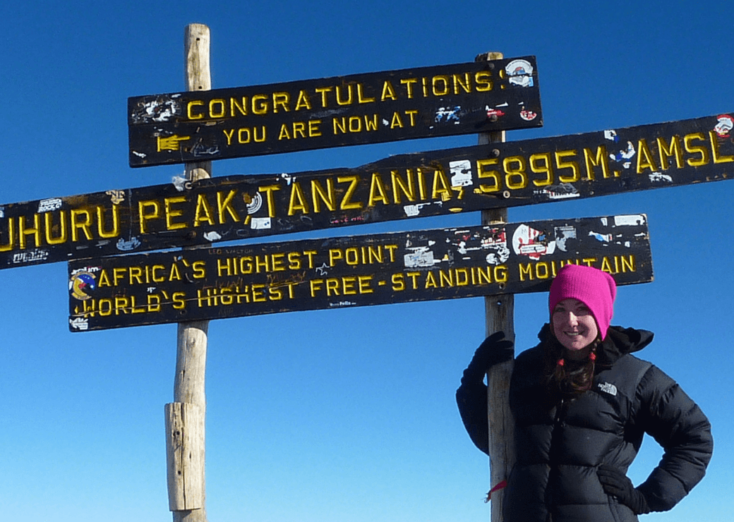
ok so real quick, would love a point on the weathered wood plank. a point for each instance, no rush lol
(400, 187)
(350, 271)
(184, 456)
(331, 112)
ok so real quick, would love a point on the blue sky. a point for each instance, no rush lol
(341, 414)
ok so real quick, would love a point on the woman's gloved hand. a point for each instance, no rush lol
(494, 349)
(617, 484)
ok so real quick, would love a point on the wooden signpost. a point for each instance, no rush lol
(217, 283)
(195, 285)
(331, 112)
(496, 175)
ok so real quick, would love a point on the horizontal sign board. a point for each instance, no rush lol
(347, 110)
(216, 283)
(400, 187)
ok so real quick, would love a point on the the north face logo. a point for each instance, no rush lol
(608, 388)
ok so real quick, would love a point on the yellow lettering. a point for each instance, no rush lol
(226, 206)
(715, 150)
(441, 186)
(143, 215)
(346, 203)
(488, 174)
(61, 238)
(189, 108)
(216, 108)
(515, 177)
(100, 222)
(645, 159)
(388, 91)
(36, 230)
(80, 220)
(483, 81)
(409, 85)
(171, 213)
(323, 91)
(303, 101)
(666, 151)
(600, 159)
(541, 164)
(377, 190)
(282, 100)
(259, 104)
(269, 189)
(399, 186)
(691, 149)
(318, 195)
(298, 200)
(574, 166)
(203, 211)
(361, 97)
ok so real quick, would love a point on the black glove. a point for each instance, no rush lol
(494, 349)
(617, 484)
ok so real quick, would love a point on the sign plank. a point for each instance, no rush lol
(400, 187)
(332, 112)
(216, 283)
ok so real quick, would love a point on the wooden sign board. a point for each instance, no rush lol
(216, 283)
(400, 187)
(348, 110)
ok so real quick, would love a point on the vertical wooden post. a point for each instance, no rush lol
(499, 315)
(185, 418)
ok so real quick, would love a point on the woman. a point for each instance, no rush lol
(582, 403)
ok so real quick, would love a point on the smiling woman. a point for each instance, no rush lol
(582, 404)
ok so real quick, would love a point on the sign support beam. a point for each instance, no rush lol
(185, 439)
(499, 316)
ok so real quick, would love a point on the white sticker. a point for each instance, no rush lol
(634, 220)
(533, 243)
(460, 173)
(79, 323)
(255, 203)
(49, 204)
(260, 223)
(419, 257)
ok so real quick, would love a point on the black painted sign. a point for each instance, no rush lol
(348, 110)
(216, 283)
(400, 187)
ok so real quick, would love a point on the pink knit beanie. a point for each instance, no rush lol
(593, 287)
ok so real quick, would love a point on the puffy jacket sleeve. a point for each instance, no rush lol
(471, 398)
(681, 428)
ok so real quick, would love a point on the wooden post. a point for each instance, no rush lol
(186, 416)
(499, 315)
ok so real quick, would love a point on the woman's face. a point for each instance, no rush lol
(573, 325)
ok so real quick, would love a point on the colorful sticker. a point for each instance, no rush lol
(623, 156)
(528, 115)
(533, 243)
(81, 284)
(448, 115)
(724, 126)
(520, 73)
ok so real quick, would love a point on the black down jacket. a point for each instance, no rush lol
(560, 444)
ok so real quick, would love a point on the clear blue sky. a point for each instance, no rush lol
(339, 415)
